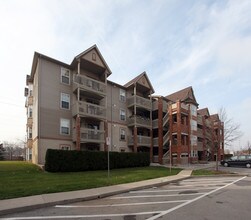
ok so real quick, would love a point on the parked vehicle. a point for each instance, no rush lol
(242, 161)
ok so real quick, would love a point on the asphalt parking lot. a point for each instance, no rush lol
(166, 202)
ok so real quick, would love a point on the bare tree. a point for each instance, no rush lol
(13, 148)
(249, 147)
(232, 130)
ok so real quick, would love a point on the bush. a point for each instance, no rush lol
(69, 161)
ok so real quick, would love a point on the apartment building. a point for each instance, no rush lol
(75, 107)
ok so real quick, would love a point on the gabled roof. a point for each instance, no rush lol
(35, 61)
(137, 79)
(203, 112)
(185, 95)
(99, 54)
(215, 117)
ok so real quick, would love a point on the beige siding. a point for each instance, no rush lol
(35, 106)
(50, 109)
(114, 104)
(35, 153)
(89, 57)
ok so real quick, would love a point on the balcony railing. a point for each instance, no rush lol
(155, 123)
(141, 140)
(199, 120)
(86, 109)
(156, 142)
(139, 101)
(89, 84)
(29, 143)
(29, 122)
(200, 132)
(139, 121)
(29, 101)
(88, 135)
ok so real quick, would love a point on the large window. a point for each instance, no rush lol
(193, 110)
(122, 134)
(65, 101)
(122, 95)
(30, 112)
(122, 115)
(64, 126)
(29, 133)
(65, 76)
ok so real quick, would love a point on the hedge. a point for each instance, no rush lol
(72, 161)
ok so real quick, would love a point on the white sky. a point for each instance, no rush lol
(205, 44)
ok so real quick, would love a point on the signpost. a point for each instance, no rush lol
(108, 142)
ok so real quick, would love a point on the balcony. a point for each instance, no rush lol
(29, 143)
(183, 128)
(29, 101)
(155, 123)
(89, 85)
(200, 132)
(139, 102)
(141, 140)
(199, 120)
(156, 142)
(200, 146)
(139, 121)
(29, 122)
(89, 110)
(88, 135)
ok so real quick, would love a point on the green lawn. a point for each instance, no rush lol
(203, 172)
(18, 179)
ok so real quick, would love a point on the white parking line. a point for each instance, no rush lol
(117, 205)
(151, 196)
(80, 216)
(193, 200)
(169, 190)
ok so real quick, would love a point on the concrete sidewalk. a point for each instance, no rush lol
(27, 203)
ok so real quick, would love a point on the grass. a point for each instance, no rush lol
(18, 179)
(204, 172)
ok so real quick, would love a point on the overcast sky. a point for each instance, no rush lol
(203, 44)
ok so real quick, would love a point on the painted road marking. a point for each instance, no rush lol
(81, 216)
(193, 200)
(169, 190)
(151, 196)
(116, 205)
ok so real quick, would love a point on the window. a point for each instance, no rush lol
(65, 147)
(65, 101)
(65, 76)
(122, 115)
(122, 95)
(64, 126)
(193, 125)
(193, 110)
(30, 112)
(29, 133)
(122, 134)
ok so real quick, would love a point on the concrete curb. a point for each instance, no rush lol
(40, 201)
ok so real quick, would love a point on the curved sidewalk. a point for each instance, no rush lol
(27, 203)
